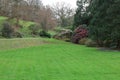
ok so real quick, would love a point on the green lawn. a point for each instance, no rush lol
(57, 60)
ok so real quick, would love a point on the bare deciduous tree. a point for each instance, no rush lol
(64, 13)
(47, 18)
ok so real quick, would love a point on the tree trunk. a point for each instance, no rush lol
(17, 22)
(100, 43)
(118, 44)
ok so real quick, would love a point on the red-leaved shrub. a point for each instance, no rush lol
(79, 33)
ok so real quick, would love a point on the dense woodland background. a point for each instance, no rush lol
(102, 18)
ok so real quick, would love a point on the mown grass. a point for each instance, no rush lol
(58, 61)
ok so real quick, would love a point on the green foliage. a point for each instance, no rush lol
(7, 30)
(52, 32)
(23, 29)
(105, 22)
(34, 29)
(58, 29)
(44, 34)
(90, 43)
(103, 19)
(17, 35)
(83, 41)
(2, 20)
(81, 16)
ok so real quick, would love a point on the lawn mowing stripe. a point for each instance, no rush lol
(90, 65)
(62, 66)
(57, 67)
(67, 58)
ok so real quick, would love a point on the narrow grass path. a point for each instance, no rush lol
(59, 61)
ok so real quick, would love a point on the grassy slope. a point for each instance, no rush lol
(2, 19)
(23, 23)
(61, 61)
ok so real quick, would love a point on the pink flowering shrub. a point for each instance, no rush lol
(79, 33)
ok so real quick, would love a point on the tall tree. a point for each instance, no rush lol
(81, 16)
(63, 13)
(47, 18)
(105, 21)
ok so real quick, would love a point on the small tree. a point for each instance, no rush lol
(7, 30)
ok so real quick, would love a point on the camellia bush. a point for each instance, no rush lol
(79, 33)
